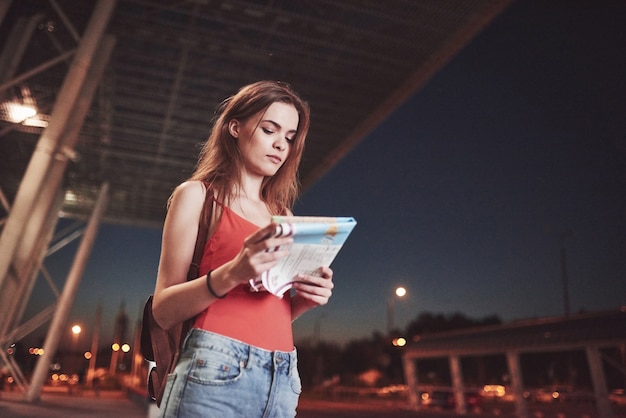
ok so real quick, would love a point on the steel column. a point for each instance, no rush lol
(410, 376)
(457, 384)
(594, 358)
(4, 7)
(16, 46)
(515, 371)
(67, 298)
(31, 244)
(50, 146)
(95, 340)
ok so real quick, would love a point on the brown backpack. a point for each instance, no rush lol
(163, 346)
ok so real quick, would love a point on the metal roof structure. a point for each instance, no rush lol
(174, 61)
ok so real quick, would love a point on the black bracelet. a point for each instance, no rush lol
(208, 285)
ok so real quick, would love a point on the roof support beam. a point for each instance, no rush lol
(67, 298)
(4, 7)
(45, 171)
(16, 46)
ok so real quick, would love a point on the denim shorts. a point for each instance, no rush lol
(218, 376)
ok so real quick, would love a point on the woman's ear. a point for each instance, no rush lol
(233, 128)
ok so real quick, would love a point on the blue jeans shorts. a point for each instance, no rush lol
(218, 376)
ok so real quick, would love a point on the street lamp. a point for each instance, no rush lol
(76, 330)
(563, 259)
(399, 342)
(399, 292)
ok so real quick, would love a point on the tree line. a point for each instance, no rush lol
(323, 362)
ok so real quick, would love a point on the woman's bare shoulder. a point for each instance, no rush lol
(189, 189)
(189, 194)
(193, 186)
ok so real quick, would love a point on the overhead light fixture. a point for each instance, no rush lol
(23, 111)
(38, 121)
(18, 113)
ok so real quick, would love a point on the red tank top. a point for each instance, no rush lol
(257, 318)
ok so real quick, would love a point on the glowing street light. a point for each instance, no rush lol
(76, 330)
(399, 342)
(399, 292)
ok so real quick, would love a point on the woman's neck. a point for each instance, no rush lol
(250, 189)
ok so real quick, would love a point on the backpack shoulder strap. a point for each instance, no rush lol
(203, 232)
(194, 267)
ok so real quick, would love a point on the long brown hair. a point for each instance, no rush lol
(220, 163)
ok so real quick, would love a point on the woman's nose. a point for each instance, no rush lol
(280, 144)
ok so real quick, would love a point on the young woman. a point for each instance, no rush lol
(239, 359)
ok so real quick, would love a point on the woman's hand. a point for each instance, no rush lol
(311, 291)
(259, 254)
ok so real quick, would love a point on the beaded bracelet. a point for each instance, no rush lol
(208, 285)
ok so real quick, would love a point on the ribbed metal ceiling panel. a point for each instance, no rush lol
(355, 61)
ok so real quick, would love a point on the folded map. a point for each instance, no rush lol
(316, 242)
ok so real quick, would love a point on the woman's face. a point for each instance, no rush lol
(265, 139)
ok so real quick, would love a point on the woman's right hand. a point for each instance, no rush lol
(259, 253)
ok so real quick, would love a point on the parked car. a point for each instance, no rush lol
(444, 399)
(563, 394)
(573, 396)
(617, 397)
(437, 399)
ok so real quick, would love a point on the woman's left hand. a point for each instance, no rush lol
(311, 291)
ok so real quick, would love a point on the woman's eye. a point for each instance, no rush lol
(268, 131)
(289, 140)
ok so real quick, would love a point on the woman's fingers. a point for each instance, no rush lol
(266, 238)
(261, 251)
(316, 289)
(263, 234)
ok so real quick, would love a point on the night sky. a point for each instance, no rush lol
(463, 194)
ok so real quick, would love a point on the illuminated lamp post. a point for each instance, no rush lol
(399, 292)
(76, 330)
(115, 347)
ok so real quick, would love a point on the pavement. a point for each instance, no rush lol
(121, 404)
(86, 404)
